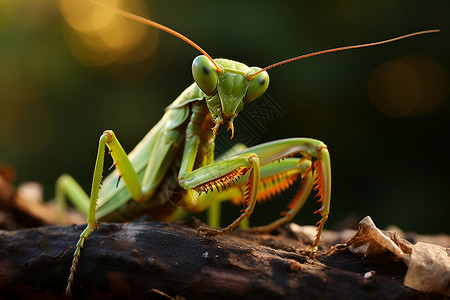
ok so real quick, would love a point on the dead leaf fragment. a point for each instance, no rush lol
(428, 264)
(429, 269)
(371, 241)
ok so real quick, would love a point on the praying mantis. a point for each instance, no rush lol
(184, 139)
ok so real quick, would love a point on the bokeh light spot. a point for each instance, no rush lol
(408, 86)
(99, 37)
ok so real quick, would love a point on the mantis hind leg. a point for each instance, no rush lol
(67, 188)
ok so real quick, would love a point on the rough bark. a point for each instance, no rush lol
(163, 261)
(171, 261)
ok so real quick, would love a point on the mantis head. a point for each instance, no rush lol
(227, 88)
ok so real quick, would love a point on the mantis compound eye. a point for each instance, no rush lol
(258, 85)
(205, 74)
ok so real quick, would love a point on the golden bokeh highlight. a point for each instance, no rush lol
(8, 10)
(99, 37)
(409, 85)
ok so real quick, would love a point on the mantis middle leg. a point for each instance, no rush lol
(138, 186)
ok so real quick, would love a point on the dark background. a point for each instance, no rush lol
(383, 111)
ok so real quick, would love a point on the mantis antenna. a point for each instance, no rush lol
(250, 77)
(156, 25)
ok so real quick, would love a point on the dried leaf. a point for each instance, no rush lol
(429, 269)
(428, 264)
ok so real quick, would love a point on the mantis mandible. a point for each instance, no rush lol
(183, 140)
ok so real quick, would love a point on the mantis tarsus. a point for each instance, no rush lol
(183, 140)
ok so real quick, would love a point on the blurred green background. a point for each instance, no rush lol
(69, 70)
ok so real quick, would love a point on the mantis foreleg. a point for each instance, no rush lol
(230, 170)
(311, 150)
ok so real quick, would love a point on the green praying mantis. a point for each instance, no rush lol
(183, 140)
